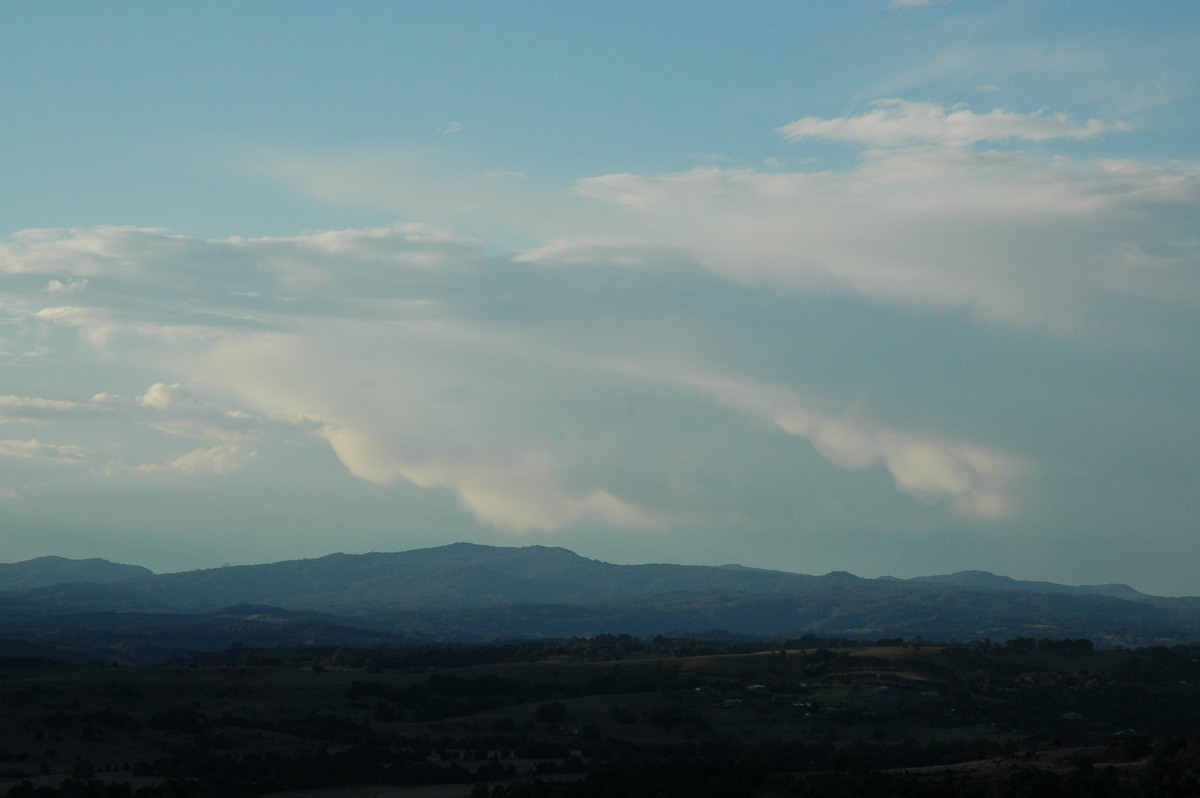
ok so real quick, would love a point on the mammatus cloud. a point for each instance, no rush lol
(519, 496)
(972, 480)
(490, 446)
(490, 454)
(406, 349)
(897, 123)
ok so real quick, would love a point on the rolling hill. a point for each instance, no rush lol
(466, 592)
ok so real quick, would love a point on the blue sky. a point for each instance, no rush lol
(893, 288)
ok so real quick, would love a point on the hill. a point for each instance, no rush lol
(466, 593)
(44, 571)
(457, 576)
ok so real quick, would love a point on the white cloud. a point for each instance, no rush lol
(100, 250)
(27, 409)
(168, 408)
(70, 287)
(493, 455)
(216, 460)
(896, 123)
(176, 412)
(519, 495)
(1012, 238)
(607, 252)
(163, 397)
(411, 354)
(974, 481)
(44, 452)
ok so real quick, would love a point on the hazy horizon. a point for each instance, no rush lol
(454, 543)
(895, 288)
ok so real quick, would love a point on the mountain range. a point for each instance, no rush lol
(45, 571)
(466, 592)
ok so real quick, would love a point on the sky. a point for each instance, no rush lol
(896, 288)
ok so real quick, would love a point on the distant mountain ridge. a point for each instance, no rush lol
(462, 572)
(446, 577)
(989, 581)
(468, 592)
(45, 571)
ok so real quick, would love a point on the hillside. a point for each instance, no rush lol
(458, 576)
(44, 571)
(465, 593)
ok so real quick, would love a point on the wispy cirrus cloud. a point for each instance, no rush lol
(59, 454)
(895, 123)
(30, 409)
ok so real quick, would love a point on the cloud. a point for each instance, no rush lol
(518, 495)
(213, 460)
(896, 123)
(175, 412)
(168, 408)
(163, 397)
(83, 253)
(44, 452)
(1011, 238)
(607, 252)
(421, 360)
(26, 409)
(71, 287)
(972, 480)
(415, 425)
(451, 128)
